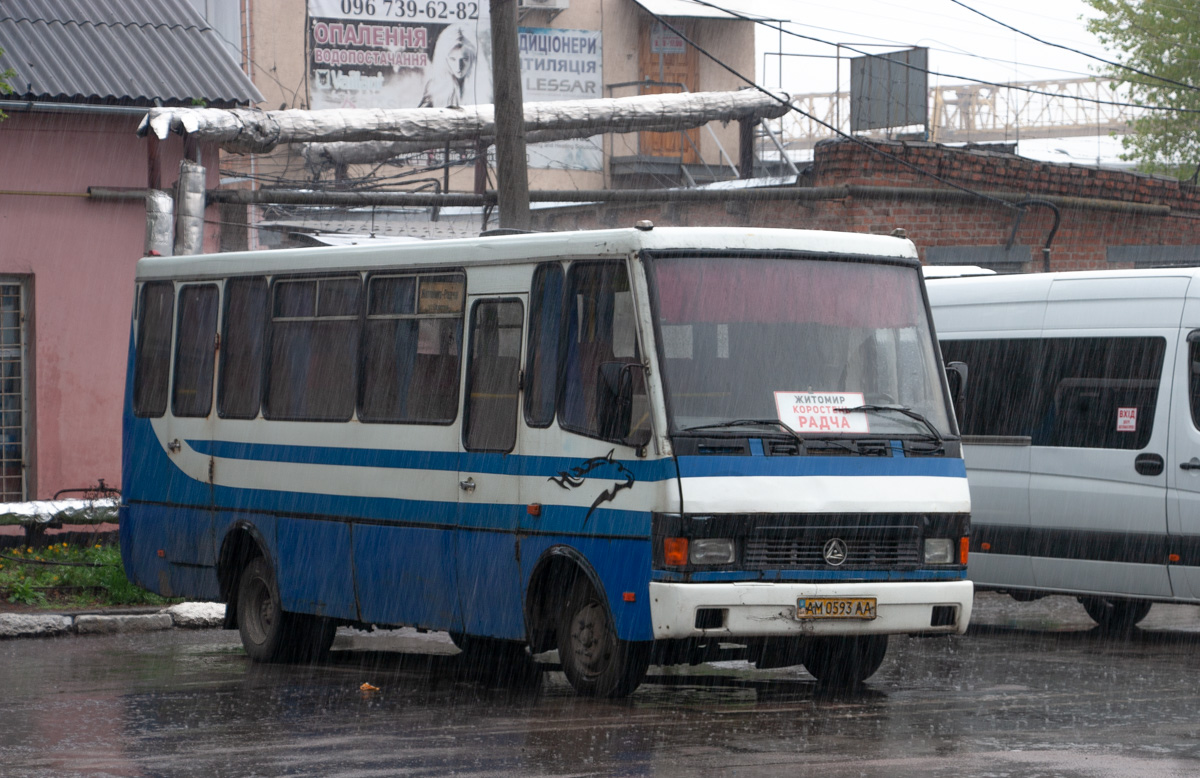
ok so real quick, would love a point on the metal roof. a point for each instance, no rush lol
(759, 10)
(118, 52)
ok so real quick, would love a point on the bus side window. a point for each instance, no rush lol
(411, 345)
(245, 328)
(493, 376)
(312, 367)
(599, 329)
(153, 365)
(195, 350)
(541, 364)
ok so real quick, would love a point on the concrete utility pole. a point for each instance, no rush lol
(512, 178)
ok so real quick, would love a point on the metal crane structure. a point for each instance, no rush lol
(980, 113)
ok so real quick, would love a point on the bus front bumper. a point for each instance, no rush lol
(759, 609)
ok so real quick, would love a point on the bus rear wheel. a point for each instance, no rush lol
(594, 659)
(1115, 617)
(269, 633)
(844, 661)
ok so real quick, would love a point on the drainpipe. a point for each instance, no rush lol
(1020, 206)
(160, 232)
(189, 209)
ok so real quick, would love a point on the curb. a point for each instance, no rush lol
(186, 615)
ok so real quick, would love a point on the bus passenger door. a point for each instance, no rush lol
(188, 423)
(489, 476)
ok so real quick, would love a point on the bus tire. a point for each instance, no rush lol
(844, 661)
(1115, 616)
(594, 659)
(262, 622)
(309, 638)
(496, 662)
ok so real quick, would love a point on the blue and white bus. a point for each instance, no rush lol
(635, 446)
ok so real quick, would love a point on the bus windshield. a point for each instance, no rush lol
(750, 339)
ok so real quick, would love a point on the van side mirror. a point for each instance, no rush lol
(956, 376)
(614, 403)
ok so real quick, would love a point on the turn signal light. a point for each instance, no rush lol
(675, 551)
(964, 545)
(1172, 557)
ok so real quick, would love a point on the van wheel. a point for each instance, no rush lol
(1115, 617)
(594, 659)
(844, 661)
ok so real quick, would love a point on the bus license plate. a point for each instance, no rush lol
(835, 608)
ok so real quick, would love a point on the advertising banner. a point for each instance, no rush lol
(562, 65)
(436, 53)
(399, 53)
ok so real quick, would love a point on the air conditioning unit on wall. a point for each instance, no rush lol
(544, 5)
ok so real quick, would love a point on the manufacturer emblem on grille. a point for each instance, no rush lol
(835, 552)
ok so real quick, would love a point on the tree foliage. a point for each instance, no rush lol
(5, 87)
(1160, 37)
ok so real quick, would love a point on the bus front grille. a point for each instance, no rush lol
(809, 553)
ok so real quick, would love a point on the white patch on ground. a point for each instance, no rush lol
(197, 615)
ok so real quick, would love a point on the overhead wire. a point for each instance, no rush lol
(1110, 62)
(940, 74)
(787, 104)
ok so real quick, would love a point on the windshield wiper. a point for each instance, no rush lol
(902, 410)
(747, 423)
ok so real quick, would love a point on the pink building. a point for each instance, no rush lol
(66, 256)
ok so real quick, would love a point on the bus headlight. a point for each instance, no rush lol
(939, 551)
(711, 551)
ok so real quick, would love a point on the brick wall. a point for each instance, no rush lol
(1098, 208)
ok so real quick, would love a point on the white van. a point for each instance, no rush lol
(1081, 432)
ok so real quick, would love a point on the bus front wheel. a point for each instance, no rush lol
(594, 659)
(269, 633)
(844, 661)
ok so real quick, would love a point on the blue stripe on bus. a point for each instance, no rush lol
(495, 464)
(520, 465)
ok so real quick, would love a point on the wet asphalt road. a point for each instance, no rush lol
(1032, 690)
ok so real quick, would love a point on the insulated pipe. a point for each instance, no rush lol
(189, 209)
(795, 193)
(160, 228)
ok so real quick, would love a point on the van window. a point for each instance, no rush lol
(1000, 388)
(1099, 392)
(152, 369)
(1069, 392)
(493, 376)
(411, 345)
(545, 319)
(313, 360)
(195, 351)
(242, 347)
(1194, 376)
(599, 329)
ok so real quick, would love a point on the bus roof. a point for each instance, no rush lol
(501, 249)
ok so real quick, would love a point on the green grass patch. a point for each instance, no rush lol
(69, 576)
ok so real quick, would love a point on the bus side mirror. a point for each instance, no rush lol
(614, 403)
(956, 376)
